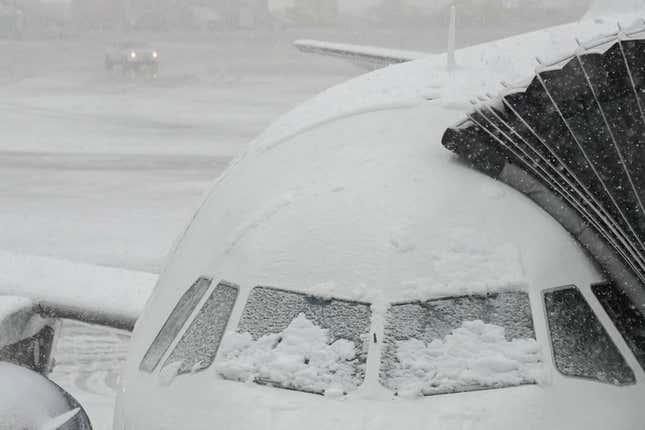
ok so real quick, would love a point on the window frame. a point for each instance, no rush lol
(465, 389)
(549, 338)
(243, 301)
(161, 363)
(167, 325)
(165, 362)
(639, 362)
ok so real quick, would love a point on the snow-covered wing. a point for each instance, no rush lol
(364, 56)
(84, 292)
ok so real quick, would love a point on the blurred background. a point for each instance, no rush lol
(69, 18)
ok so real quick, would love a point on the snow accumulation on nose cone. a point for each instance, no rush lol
(301, 357)
(475, 355)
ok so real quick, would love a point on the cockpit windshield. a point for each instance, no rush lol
(460, 344)
(300, 342)
(198, 346)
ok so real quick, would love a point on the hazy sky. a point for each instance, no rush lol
(344, 5)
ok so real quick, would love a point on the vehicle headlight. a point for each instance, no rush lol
(133, 55)
(154, 54)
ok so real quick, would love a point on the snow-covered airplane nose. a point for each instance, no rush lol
(429, 295)
(393, 251)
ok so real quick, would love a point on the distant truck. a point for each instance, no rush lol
(133, 59)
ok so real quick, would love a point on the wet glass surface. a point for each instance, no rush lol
(581, 346)
(198, 346)
(627, 318)
(173, 324)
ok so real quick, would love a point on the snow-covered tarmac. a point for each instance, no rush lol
(103, 169)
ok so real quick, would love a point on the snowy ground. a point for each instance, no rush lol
(103, 169)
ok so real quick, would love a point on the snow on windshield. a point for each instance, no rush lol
(173, 324)
(297, 341)
(460, 344)
(476, 355)
(301, 357)
(197, 348)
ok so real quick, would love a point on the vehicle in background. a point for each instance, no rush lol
(133, 59)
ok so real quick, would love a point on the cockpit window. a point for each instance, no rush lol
(173, 324)
(460, 344)
(199, 344)
(581, 346)
(299, 342)
(628, 319)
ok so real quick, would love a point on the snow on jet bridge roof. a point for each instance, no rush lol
(575, 128)
(479, 70)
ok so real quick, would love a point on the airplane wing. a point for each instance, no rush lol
(79, 291)
(371, 57)
(368, 57)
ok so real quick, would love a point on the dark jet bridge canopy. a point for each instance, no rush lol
(573, 140)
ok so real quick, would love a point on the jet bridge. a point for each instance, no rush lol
(573, 139)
